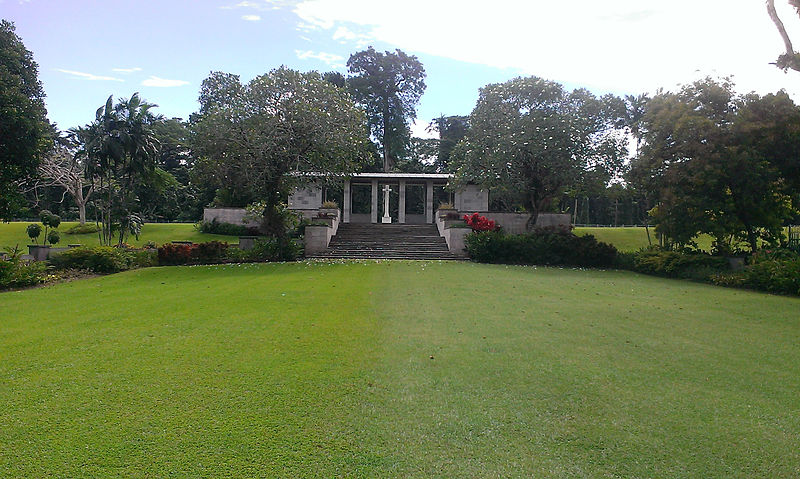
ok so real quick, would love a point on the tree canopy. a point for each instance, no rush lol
(532, 138)
(720, 163)
(388, 86)
(265, 136)
(24, 129)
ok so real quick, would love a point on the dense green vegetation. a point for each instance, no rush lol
(397, 369)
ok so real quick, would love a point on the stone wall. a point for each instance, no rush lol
(226, 215)
(306, 199)
(471, 199)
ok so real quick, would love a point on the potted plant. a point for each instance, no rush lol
(329, 209)
(41, 252)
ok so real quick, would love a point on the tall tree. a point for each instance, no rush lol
(451, 129)
(267, 133)
(120, 150)
(715, 162)
(24, 129)
(389, 86)
(530, 137)
(62, 168)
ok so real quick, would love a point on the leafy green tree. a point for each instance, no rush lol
(451, 129)
(714, 162)
(262, 137)
(24, 129)
(530, 138)
(120, 151)
(388, 86)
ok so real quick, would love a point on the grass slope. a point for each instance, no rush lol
(14, 234)
(397, 369)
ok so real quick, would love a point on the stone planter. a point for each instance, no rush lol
(247, 242)
(38, 252)
(736, 263)
(329, 212)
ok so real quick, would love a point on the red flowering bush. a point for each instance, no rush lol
(480, 223)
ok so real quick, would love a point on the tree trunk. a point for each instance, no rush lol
(81, 202)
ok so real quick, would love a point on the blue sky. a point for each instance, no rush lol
(87, 50)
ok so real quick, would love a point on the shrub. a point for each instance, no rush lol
(774, 276)
(172, 254)
(267, 250)
(480, 223)
(34, 231)
(83, 229)
(53, 237)
(16, 273)
(545, 246)
(330, 205)
(678, 264)
(228, 229)
(102, 259)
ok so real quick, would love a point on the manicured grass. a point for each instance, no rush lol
(14, 234)
(397, 369)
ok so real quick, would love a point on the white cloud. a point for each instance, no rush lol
(88, 76)
(126, 70)
(155, 81)
(614, 45)
(251, 18)
(330, 59)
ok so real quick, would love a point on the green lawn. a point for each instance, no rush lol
(14, 234)
(397, 369)
(633, 238)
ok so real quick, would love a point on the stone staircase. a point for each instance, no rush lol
(395, 241)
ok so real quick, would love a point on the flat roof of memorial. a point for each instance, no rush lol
(416, 176)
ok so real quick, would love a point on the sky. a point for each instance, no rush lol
(163, 49)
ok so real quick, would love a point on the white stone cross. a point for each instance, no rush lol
(386, 218)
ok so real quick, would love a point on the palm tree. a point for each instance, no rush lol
(120, 149)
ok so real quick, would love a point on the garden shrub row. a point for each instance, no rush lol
(543, 246)
(103, 259)
(774, 271)
(265, 250)
(16, 273)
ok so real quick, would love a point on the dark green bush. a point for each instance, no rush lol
(268, 250)
(83, 229)
(102, 259)
(53, 237)
(677, 264)
(771, 275)
(16, 273)
(229, 229)
(545, 246)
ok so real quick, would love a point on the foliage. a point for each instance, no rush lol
(53, 237)
(543, 246)
(678, 264)
(330, 205)
(102, 259)
(62, 168)
(33, 231)
(17, 273)
(452, 129)
(24, 129)
(211, 252)
(268, 250)
(229, 229)
(531, 138)
(480, 223)
(277, 127)
(697, 144)
(388, 86)
(120, 150)
(81, 229)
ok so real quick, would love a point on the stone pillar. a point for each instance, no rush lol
(373, 212)
(429, 201)
(401, 214)
(347, 206)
